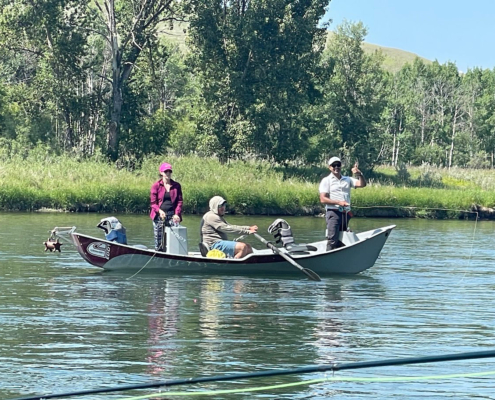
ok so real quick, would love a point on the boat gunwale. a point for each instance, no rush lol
(266, 257)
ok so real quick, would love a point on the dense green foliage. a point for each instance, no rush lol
(41, 180)
(258, 66)
(258, 80)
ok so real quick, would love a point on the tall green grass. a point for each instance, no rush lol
(46, 182)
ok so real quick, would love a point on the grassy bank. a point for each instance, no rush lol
(62, 183)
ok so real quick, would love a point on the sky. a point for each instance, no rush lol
(445, 30)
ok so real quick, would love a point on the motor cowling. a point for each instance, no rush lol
(282, 232)
(114, 230)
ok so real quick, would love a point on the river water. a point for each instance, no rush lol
(66, 326)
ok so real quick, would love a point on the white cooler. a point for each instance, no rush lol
(176, 239)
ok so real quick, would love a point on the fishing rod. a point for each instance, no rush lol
(303, 370)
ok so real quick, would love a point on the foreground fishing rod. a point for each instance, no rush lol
(303, 370)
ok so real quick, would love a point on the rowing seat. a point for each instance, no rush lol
(203, 248)
(300, 249)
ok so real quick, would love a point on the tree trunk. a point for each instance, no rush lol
(114, 127)
(454, 126)
(393, 150)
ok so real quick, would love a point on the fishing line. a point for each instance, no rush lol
(269, 373)
(182, 241)
(313, 381)
(441, 209)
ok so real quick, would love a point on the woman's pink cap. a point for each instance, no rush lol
(165, 167)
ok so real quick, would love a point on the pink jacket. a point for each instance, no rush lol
(157, 193)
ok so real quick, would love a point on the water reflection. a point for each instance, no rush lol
(163, 315)
(66, 326)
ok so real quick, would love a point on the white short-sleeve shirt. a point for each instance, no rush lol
(337, 189)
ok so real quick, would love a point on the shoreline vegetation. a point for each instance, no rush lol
(61, 183)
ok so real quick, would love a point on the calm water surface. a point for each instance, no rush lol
(66, 326)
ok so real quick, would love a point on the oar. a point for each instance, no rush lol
(310, 274)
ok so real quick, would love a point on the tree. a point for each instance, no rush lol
(127, 27)
(258, 62)
(394, 121)
(44, 44)
(355, 94)
(485, 114)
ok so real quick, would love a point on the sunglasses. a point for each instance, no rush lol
(336, 165)
(167, 171)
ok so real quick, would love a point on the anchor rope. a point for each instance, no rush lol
(179, 237)
(147, 262)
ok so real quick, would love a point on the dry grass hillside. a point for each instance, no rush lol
(394, 60)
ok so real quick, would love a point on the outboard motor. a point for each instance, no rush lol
(281, 231)
(114, 230)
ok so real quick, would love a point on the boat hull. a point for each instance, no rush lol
(351, 259)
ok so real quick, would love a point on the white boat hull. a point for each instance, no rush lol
(359, 254)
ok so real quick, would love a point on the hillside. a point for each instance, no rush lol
(395, 59)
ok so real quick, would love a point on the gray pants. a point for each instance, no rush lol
(336, 222)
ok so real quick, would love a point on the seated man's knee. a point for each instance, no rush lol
(242, 249)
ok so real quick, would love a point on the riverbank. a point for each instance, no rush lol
(62, 183)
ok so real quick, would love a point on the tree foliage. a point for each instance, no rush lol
(257, 80)
(258, 63)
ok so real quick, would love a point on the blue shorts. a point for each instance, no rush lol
(227, 246)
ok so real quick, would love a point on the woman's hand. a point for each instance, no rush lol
(176, 218)
(162, 214)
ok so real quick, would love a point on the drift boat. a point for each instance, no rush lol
(358, 252)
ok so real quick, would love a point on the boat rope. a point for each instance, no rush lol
(147, 262)
(314, 381)
(179, 238)
(268, 373)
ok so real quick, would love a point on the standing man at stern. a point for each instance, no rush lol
(335, 194)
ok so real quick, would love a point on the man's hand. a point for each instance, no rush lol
(359, 176)
(355, 170)
(253, 229)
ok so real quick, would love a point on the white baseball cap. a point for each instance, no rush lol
(334, 159)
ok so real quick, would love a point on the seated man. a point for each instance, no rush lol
(214, 230)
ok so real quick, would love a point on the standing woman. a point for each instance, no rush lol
(166, 203)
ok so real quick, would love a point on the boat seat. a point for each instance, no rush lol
(203, 248)
(298, 253)
(300, 248)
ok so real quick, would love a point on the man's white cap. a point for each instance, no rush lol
(334, 159)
